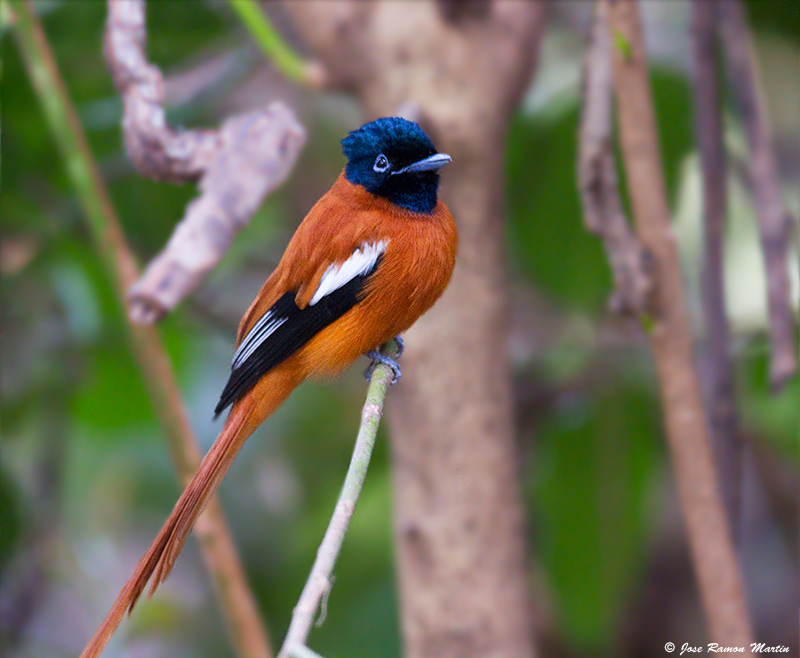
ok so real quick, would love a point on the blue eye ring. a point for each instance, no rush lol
(382, 164)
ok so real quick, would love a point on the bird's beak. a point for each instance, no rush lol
(432, 163)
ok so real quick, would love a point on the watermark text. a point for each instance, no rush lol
(687, 649)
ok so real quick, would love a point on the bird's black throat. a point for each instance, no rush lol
(417, 192)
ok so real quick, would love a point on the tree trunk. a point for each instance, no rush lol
(459, 516)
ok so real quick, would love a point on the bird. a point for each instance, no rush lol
(371, 256)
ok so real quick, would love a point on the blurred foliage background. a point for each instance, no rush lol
(85, 478)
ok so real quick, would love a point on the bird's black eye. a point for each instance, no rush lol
(381, 164)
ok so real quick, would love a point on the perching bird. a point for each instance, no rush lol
(372, 255)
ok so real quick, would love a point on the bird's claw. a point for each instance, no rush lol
(376, 357)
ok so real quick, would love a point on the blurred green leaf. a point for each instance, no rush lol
(10, 518)
(774, 418)
(590, 473)
(781, 16)
(546, 236)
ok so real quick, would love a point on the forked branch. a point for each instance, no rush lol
(236, 166)
(773, 219)
(631, 264)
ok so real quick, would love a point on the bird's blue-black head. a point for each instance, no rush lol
(395, 159)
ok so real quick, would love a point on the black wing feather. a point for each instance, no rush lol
(300, 327)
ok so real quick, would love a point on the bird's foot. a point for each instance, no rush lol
(376, 357)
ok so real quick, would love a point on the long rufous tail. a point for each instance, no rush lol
(244, 418)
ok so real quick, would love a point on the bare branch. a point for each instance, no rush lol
(256, 154)
(319, 580)
(237, 165)
(630, 263)
(717, 570)
(216, 545)
(773, 219)
(708, 126)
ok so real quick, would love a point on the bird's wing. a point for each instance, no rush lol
(297, 316)
(333, 229)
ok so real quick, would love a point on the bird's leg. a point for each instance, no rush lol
(376, 357)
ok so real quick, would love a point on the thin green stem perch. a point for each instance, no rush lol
(319, 580)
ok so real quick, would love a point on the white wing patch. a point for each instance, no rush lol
(362, 261)
(261, 330)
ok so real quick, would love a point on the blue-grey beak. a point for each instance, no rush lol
(432, 163)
